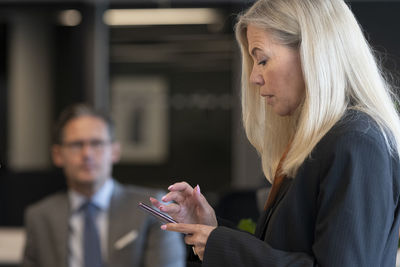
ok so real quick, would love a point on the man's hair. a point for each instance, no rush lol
(79, 110)
(340, 73)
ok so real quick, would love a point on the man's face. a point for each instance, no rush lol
(86, 153)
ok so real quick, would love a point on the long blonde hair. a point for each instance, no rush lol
(340, 73)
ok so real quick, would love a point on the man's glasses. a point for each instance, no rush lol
(96, 145)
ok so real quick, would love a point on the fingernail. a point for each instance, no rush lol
(163, 198)
(170, 187)
(163, 227)
(198, 189)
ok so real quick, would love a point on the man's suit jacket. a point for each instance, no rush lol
(134, 238)
(341, 209)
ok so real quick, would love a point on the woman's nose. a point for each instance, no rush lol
(256, 77)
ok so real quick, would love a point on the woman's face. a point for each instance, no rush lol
(276, 70)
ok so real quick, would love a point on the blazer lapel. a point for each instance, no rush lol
(60, 218)
(121, 232)
(125, 222)
(264, 220)
(113, 228)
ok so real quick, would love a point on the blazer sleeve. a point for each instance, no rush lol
(29, 256)
(354, 213)
(163, 248)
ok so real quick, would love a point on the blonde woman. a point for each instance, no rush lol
(321, 115)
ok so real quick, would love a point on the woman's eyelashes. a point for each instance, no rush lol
(262, 62)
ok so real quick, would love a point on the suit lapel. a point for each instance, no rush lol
(122, 231)
(113, 229)
(264, 220)
(60, 221)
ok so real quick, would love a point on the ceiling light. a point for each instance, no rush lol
(70, 17)
(162, 16)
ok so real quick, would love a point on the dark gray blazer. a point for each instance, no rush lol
(341, 209)
(47, 233)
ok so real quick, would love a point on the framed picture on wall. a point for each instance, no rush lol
(140, 111)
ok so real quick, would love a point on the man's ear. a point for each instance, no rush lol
(56, 156)
(116, 152)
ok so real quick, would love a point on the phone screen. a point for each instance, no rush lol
(159, 215)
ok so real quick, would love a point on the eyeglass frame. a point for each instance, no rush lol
(75, 147)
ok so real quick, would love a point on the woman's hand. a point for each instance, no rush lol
(189, 205)
(196, 235)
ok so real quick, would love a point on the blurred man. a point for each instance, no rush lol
(96, 223)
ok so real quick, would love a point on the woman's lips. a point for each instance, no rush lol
(269, 98)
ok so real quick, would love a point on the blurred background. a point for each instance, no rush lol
(169, 73)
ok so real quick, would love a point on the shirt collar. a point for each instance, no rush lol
(101, 198)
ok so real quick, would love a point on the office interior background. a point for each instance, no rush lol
(168, 71)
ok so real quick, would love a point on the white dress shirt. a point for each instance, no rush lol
(102, 200)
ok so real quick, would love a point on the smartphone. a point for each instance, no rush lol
(159, 215)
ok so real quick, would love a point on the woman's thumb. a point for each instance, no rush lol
(199, 197)
(197, 188)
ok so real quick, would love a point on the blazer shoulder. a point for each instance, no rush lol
(356, 138)
(358, 142)
(142, 192)
(48, 204)
(356, 126)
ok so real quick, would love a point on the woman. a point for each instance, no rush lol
(320, 114)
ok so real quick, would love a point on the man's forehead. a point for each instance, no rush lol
(86, 126)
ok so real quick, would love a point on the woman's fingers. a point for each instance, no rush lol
(155, 202)
(178, 192)
(208, 216)
(196, 235)
(182, 187)
(199, 197)
(186, 204)
(176, 196)
(171, 209)
(183, 228)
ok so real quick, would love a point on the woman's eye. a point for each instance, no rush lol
(262, 62)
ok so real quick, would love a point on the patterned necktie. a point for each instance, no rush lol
(91, 240)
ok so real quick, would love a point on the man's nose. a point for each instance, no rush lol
(87, 148)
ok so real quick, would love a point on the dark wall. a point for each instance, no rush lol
(380, 21)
